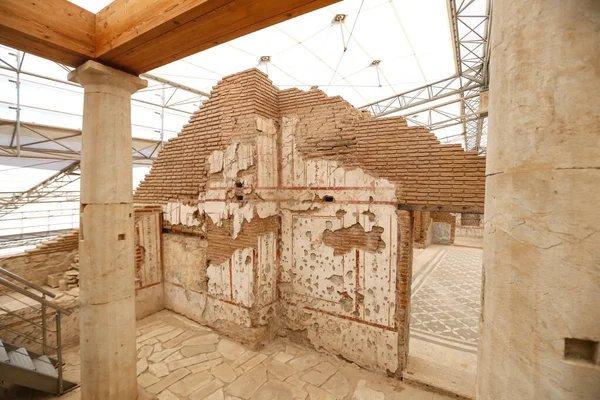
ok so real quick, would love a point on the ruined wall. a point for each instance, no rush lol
(282, 216)
(179, 173)
(49, 257)
(422, 229)
(339, 260)
(470, 225)
(25, 316)
(149, 294)
(425, 172)
(445, 218)
(58, 254)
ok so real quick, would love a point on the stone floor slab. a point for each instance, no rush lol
(213, 376)
(191, 383)
(168, 381)
(230, 349)
(247, 384)
(277, 390)
(208, 390)
(224, 372)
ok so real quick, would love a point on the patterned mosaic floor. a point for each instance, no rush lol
(446, 299)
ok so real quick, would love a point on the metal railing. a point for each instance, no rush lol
(44, 303)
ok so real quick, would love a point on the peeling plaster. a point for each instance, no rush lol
(337, 252)
(344, 240)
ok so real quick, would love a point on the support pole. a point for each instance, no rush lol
(540, 323)
(107, 317)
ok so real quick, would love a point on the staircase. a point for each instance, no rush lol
(19, 365)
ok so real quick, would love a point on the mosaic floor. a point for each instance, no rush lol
(446, 299)
(179, 359)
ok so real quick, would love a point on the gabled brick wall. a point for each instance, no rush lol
(179, 171)
(293, 200)
(426, 172)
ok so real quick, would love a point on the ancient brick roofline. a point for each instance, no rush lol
(429, 175)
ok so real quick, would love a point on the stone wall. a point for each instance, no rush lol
(289, 212)
(56, 255)
(49, 257)
(445, 218)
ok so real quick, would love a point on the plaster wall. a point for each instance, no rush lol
(149, 294)
(313, 238)
(470, 229)
(297, 211)
(338, 294)
(225, 274)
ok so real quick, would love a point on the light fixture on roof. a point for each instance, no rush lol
(265, 60)
(314, 87)
(339, 19)
(375, 63)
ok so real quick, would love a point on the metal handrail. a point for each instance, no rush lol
(44, 304)
(14, 314)
(26, 282)
(32, 296)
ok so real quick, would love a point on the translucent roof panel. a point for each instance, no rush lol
(372, 50)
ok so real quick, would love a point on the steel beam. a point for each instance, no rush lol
(470, 32)
(48, 187)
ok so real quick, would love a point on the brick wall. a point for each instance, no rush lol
(422, 223)
(294, 210)
(179, 171)
(425, 172)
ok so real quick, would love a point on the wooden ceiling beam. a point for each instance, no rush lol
(137, 35)
(54, 29)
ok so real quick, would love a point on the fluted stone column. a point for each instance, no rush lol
(541, 302)
(106, 252)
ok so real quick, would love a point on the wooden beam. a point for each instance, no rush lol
(54, 29)
(138, 35)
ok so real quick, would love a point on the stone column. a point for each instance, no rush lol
(540, 322)
(106, 255)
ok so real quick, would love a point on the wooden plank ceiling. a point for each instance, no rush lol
(137, 35)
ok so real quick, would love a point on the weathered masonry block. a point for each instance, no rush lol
(291, 213)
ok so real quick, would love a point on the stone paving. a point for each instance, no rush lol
(179, 359)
